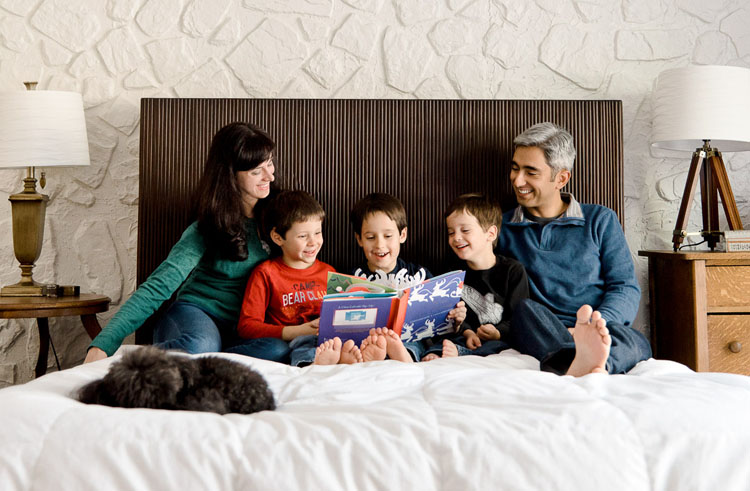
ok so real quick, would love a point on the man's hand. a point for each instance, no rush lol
(458, 314)
(94, 354)
(472, 340)
(487, 332)
(306, 329)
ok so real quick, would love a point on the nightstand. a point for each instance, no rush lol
(700, 309)
(86, 305)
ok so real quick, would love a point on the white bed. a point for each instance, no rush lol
(466, 423)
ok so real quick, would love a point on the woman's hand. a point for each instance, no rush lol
(458, 314)
(94, 354)
(472, 340)
(487, 332)
(306, 329)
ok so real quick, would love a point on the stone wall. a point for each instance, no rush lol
(115, 52)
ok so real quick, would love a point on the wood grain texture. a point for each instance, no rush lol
(722, 331)
(728, 286)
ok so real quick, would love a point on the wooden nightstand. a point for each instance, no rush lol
(700, 309)
(86, 305)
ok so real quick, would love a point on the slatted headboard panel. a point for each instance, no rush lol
(425, 152)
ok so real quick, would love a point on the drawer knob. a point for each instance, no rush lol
(735, 346)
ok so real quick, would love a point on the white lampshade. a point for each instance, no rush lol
(697, 103)
(42, 128)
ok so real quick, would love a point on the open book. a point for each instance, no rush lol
(353, 306)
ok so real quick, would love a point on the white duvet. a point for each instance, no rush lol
(466, 423)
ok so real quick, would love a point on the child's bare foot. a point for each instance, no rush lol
(328, 353)
(350, 353)
(394, 347)
(430, 357)
(449, 349)
(592, 343)
(373, 347)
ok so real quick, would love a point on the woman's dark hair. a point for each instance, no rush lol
(235, 148)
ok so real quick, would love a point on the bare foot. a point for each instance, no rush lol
(430, 357)
(449, 349)
(328, 353)
(373, 347)
(350, 353)
(592, 343)
(394, 347)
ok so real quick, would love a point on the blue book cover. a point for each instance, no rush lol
(352, 318)
(429, 304)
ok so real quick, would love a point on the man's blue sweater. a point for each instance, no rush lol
(579, 258)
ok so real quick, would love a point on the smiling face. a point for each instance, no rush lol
(381, 241)
(301, 243)
(470, 241)
(535, 187)
(255, 184)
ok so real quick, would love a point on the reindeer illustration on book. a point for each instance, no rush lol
(421, 320)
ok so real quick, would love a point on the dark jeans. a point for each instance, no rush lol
(536, 331)
(187, 327)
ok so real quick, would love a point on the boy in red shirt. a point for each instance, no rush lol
(283, 295)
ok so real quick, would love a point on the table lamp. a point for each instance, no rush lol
(701, 109)
(37, 129)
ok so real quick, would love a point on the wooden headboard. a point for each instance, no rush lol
(425, 152)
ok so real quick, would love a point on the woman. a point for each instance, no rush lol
(210, 264)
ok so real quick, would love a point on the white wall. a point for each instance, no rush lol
(117, 51)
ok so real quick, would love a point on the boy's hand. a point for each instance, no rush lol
(487, 332)
(306, 329)
(458, 314)
(472, 340)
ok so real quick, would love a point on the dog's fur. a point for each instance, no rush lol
(152, 378)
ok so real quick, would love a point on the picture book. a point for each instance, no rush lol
(353, 306)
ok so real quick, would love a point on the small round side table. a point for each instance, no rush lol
(86, 305)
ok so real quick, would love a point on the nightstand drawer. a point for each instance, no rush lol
(729, 343)
(728, 286)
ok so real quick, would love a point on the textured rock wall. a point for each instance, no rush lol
(115, 52)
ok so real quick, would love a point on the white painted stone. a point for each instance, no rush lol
(576, 54)
(405, 56)
(322, 8)
(331, 67)
(69, 22)
(172, 58)
(509, 46)
(122, 115)
(209, 80)
(98, 257)
(11, 181)
(358, 35)
(557, 8)
(97, 90)
(156, 17)
(93, 175)
(643, 11)
(55, 55)
(314, 28)
(365, 83)
(7, 374)
(713, 48)
(61, 81)
(18, 7)
(477, 11)
(372, 6)
(122, 10)
(86, 64)
(435, 88)
(120, 51)
(266, 58)
(519, 12)
(652, 44)
(13, 33)
(592, 11)
(125, 176)
(201, 17)
(139, 80)
(77, 194)
(737, 26)
(412, 11)
(227, 34)
(457, 4)
(705, 11)
(473, 77)
(454, 35)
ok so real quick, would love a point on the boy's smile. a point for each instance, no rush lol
(301, 244)
(381, 241)
(470, 241)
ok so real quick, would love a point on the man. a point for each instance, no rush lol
(584, 295)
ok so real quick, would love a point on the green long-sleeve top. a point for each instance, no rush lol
(215, 285)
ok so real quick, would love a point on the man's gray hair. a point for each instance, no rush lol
(554, 141)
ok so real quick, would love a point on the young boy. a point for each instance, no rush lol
(283, 295)
(493, 284)
(379, 223)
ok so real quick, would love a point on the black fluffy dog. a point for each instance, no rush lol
(152, 378)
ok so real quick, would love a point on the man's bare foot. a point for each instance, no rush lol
(328, 353)
(449, 349)
(592, 343)
(350, 353)
(373, 347)
(394, 347)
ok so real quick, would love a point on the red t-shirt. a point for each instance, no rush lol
(277, 296)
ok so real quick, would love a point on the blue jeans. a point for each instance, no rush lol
(187, 327)
(536, 331)
(488, 347)
(303, 350)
